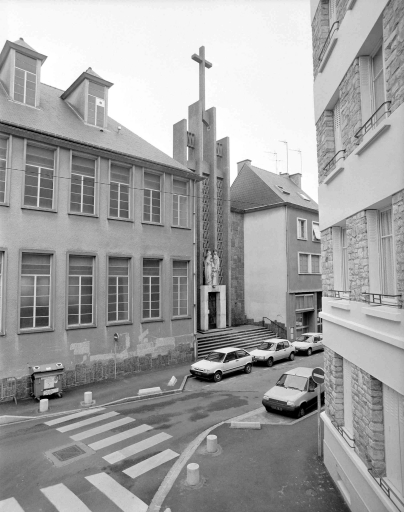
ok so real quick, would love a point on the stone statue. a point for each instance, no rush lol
(208, 268)
(215, 268)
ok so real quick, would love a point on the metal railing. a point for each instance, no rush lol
(278, 329)
(381, 299)
(327, 168)
(373, 121)
(350, 441)
(386, 489)
(333, 29)
(338, 294)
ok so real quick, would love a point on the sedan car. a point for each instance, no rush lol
(309, 342)
(222, 361)
(273, 350)
(294, 392)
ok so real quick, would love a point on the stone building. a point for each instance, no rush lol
(96, 226)
(359, 114)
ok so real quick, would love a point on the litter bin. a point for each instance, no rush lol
(46, 379)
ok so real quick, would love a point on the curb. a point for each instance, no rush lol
(246, 424)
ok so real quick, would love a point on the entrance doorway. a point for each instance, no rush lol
(212, 309)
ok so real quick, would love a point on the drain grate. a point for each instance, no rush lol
(68, 453)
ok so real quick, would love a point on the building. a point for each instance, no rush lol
(275, 252)
(96, 227)
(359, 115)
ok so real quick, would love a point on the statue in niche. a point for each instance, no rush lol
(208, 262)
(215, 268)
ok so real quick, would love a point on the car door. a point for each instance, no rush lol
(312, 392)
(320, 345)
(241, 358)
(279, 351)
(288, 348)
(229, 363)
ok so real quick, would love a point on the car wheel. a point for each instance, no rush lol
(309, 352)
(301, 411)
(217, 377)
(247, 368)
(291, 356)
(270, 361)
(268, 409)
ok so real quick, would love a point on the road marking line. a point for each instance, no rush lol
(120, 496)
(101, 429)
(10, 505)
(119, 437)
(136, 448)
(64, 499)
(83, 423)
(150, 463)
(74, 416)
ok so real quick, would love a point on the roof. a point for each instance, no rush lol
(301, 371)
(56, 117)
(255, 188)
(21, 42)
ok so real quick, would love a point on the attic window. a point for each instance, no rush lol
(304, 197)
(25, 79)
(96, 105)
(283, 190)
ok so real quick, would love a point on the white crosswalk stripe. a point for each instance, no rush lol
(116, 438)
(89, 421)
(118, 494)
(136, 448)
(101, 429)
(74, 416)
(10, 505)
(150, 463)
(63, 499)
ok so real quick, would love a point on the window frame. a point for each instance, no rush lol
(97, 161)
(162, 186)
(298, 220)
(3, 290)
(381, 256)
(309, 265)
(188, 196)
(128, 257)
(373, 78)
(95, 290)
(7, 177)
(86, 104)
(313, 238)
(131, 170)
(160, 318)
(37, 77)
(52, 291)
(188, 262)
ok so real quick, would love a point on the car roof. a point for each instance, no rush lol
(227, 349)
(301, 371)
(312, 334)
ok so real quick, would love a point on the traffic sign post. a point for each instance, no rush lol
(318, 377)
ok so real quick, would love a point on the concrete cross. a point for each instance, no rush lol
(200, 59)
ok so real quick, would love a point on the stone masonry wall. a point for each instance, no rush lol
(398, 229)
(350, 104)
(358, 256)
(327, 272)
(341, 9)
(393, 34)
(368, 427)
(320, 29)
(334, 386)
(237, 269)
(325, 142)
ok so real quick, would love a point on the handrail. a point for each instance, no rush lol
(327, 41)
(373, 120)
(279, 327)
(338, 294)
(386, 488)
(350, 441)
(377, 299)
(334, 160)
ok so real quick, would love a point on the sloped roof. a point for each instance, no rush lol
(256, 188)
(21, 42)
(92, 72)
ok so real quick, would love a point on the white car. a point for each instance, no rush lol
(309, 342)
(222, 361)
(273, 350)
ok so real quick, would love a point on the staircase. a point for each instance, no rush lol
(247, 338)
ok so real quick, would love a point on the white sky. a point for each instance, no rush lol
(260, 82)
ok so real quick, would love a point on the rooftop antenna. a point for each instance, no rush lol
(276, 158)
(287, 156)
(300, 153)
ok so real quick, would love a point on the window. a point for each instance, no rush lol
(332, 12)
(39, 175)
(304, 302)
(346, 374)
(152, 198)
(180, 203)
(35, 291)
(3, 169)
(302, 323)
(118, 289)
(82, 196)
(393, 412)
(1, 290)
(80, 309)
(309, 263)
(315, 232)
(119, 192)
(151, 289)
(378, 94)
(180, 288)
(344, 260)
(302, 229)
(386, 253)
(337, 127)
(25, 79)
(96, 105)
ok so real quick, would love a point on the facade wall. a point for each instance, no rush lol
(350, 101)
(327, 261)
(237, 269)
(358, 258)
(393, 33)
(320, 29)
(398, 226)
(325, 142)
(334, 398)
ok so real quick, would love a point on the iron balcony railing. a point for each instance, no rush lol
(339, 294)
(382, 112)
(333, 29)
(345, 436)
(381, 482)
(339, 155)
(278, 329)
(381, 299)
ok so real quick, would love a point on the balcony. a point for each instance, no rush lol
(328, 46)
(334, 166)
(374, 127)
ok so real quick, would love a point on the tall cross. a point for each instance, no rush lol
(200, 59)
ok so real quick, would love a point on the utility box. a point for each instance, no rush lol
(46, 379)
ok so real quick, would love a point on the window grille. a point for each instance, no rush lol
(39, 174)
(81, 290)
(35, 291)
(180, 288)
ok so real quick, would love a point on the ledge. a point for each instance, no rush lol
(340, 304)
(370, 137)
(333, 174)
(328, 52)
(383, 312)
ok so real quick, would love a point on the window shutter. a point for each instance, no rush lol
(364, 78)
(337, 127)
(348, 422)
(373, 251)
(337, 257)
(393, 410)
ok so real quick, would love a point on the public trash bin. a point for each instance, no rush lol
(46, 379)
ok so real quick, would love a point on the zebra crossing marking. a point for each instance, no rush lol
(64, 499)
(89, 421)
(150, 463)
(107, 441)
(102, 428)
(74, 416)
(118, 494)
(136, 448)
(10, 505)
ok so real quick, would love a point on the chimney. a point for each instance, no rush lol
(240, 164)
(297, 179)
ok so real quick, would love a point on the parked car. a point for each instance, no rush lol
(294, 392)
(222, 361)
(309, 342)
(273, 350)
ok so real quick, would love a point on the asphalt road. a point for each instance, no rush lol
(27, 470)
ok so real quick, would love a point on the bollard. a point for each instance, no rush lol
(211, 444)
(88, 397)
(193, 474)
(43, 405)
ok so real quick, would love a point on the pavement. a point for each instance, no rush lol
(263, 461)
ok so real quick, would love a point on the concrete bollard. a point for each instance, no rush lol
(88, 397)
(211, 444)
(43, 404)
(193, 474)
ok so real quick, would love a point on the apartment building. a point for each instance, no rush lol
(96, 233)
(359, 115)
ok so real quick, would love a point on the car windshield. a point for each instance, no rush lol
(292, 382)
(266, 346)
(217, 357)
(303, 338)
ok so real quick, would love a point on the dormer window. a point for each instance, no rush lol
(25, 79)
(96, 104)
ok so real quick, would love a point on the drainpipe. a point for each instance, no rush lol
(287, 273)
(194, 270)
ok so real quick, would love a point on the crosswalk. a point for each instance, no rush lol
(84, 426)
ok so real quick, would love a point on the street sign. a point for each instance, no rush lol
(318, 375)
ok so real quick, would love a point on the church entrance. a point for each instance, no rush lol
(212, 310)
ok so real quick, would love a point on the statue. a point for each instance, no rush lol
(215, 268)
(208, 268)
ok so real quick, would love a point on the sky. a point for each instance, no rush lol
(261, 81)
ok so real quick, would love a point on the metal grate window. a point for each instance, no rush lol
(180, 203)
(119, 192)
(3, 168)
(81, 290)
(151, 288)
(35, 291)
(118, 289)
(82, 197)
(25, 79)
(180, 288)
(39, 174)
(152, 198)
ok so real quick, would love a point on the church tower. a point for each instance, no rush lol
(196, 147)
